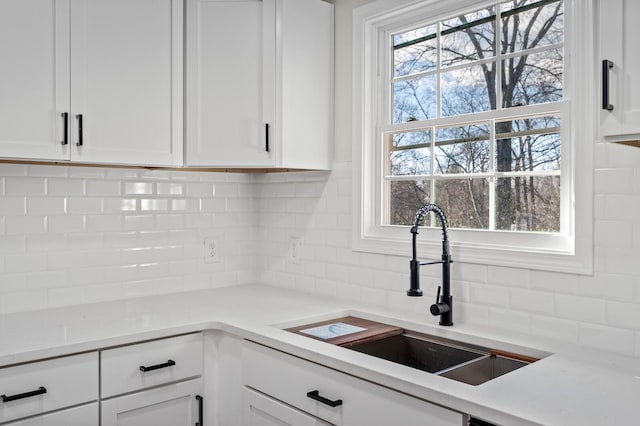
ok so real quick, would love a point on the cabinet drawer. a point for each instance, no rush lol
(85, 415)
(139, 366)
(52, 384)
(289, 379)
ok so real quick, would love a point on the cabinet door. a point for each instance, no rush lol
(230, 69)
(170, 405)
(618, 32)
(126, 81)
(34, 78)
(86, 415)
(265, 411)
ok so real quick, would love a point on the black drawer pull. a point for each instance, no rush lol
(80, 130)
(65, 128)
(9, 398)
(169, 363)
(606, 66)
(200, 411)
(316, 395)
(267, 128)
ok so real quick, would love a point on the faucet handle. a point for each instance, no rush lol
(439, 308)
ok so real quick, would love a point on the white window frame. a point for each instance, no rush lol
(570, 251)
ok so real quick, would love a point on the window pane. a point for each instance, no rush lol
(468, 37)
(410, 153)
(529, 203)
(465, 90)
(462, 149)
(529, 144)
(465, 202)
(414, 99)
(525, 26)
(533, 79)
(415, 51)
(405, 198)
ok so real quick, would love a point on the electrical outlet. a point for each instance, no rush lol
(295, 250)
(211, 250)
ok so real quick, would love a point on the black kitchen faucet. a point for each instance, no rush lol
(444, 304)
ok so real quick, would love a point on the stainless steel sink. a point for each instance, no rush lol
(484, 369)
(465, 363)
(417, 352)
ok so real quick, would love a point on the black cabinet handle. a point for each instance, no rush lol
(200, 410)
(65, 128)
(316, 395)
(267, 127)
(40, 391)
(169, 363)
(80, 142)
(606, 66)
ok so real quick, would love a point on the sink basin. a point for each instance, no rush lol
(484, 369)
(418, 352)
(448, 358)
(465, 363)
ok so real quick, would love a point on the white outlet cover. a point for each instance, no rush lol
(211, 250)
(295, 250)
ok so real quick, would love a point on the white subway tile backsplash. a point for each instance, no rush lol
(14, 169)
(46, 205)
(25, 225)
(532, 301)
(46, 279)
(85, 205)
(12, 283)
(623, 315)
(65, 224)
(24, 186)
(138, 188)
(25, 262)
(607, 338)
(105, 188)
(89, 172)
(584, 309)
(558, 329)
(66, 187)
(113, 233)
(200, 189)
(13, 206)
(170, 188)
(10, 244)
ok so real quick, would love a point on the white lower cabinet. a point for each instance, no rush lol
(178, 404)
(328, 395)
(37, 388)
(86, 415)
(154, 383)
(265, 411)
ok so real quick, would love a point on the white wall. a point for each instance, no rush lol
(602, 310)
(73, 235)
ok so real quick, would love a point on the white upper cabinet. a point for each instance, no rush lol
(34, 78)
(259, 83)
(99, 81)
(618, 33)
(126, 81)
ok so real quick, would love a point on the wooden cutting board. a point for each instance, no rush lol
(373, 331)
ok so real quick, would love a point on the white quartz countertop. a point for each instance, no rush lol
(572, 386)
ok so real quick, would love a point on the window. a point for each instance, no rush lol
(471, 106)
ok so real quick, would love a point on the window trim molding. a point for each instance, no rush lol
(573, 253)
